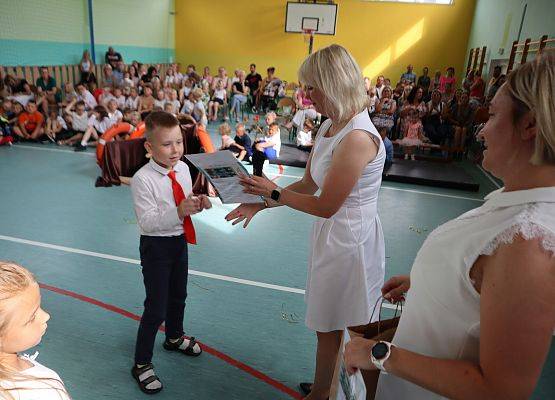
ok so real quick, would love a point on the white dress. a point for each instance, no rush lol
(441, 317)
(347, 256)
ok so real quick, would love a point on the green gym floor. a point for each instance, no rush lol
(245, 300)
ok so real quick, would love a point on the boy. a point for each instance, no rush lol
(162, 195)
(79, 120)
(243, 141)
(30, 123)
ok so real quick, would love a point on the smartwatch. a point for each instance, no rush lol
(380, 353)
(276, 194)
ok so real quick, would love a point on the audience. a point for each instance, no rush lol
(445, 114)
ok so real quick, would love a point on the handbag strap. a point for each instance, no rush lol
(398, 309)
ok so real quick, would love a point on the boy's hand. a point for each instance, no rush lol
(205, 203)
(189, 206)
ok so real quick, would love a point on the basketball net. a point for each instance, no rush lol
(308, 33)
(309, 38)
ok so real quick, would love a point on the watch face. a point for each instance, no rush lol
(274, 195)
(379, 350)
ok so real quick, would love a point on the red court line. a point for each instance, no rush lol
(210, 350)
(280, 172)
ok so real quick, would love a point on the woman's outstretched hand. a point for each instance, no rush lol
(257, 185)
(395, 288)
(244, 212)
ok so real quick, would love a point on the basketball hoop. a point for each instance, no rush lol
(309, 38)
(308, 33)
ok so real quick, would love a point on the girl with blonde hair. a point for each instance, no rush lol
(22, 325)
(346, 262)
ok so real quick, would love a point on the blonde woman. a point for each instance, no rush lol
(346, 262)
(480, 309)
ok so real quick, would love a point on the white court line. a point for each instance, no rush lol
(287, 176)
(55, 150)
(137, 262)
(489, 176)
(452, 196)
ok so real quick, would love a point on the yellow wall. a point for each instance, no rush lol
(383, 37)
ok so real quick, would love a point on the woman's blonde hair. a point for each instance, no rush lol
(336, 74)
(14, 279)
(531, 88)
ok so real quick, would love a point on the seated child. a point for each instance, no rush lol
(120, 98)
(56, 127)
(242, 139)
(146, 102)
(199, 111)
(229, 144)
(188, 105)
(413, 135)
(106, 96)
(84, 95)
(114, 114)
(304, 136)
(22, 328)
(132, 101)
(176, 105)
(218, 99)
(78, 121)
(6, 114)
(168, 107)
(99, 122)
(30, 123)
(164, 203)
(160, 99)
(266, 149)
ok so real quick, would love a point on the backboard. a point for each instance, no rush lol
(320, 17)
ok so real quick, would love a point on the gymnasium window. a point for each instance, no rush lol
(443, 2)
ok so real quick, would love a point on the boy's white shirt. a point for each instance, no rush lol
(153, 199)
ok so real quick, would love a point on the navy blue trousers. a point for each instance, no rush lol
(164, 262)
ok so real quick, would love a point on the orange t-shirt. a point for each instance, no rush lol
(30, 121)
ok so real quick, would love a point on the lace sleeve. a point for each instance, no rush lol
(526, 228)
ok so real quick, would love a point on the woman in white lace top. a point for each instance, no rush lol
(480, 311)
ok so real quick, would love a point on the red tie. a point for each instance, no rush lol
(179, 196)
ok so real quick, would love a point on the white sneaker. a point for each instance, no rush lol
(406, 156)
(412, 157)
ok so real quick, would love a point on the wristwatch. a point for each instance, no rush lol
(276, 193)
(380, 353)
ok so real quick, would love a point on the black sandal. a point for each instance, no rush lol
(137, 372)
(306, 388)
(188, 351)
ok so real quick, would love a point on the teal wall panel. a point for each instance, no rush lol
(55, 32)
